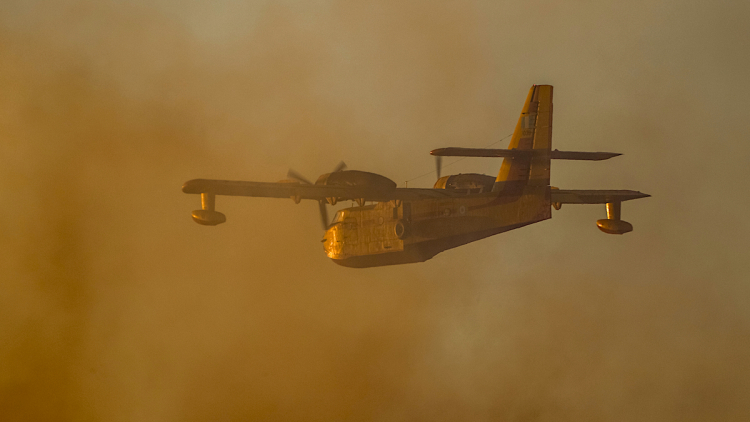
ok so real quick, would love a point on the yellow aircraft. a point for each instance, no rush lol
(405, 225)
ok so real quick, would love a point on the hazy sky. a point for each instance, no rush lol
(115, 306)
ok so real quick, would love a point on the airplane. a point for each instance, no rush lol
(392, 225)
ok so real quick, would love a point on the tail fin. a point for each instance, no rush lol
(533, 132)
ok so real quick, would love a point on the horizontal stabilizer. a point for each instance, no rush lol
(555, 154)
(563, 196)
(587, 156)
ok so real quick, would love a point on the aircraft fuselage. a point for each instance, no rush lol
(396, 232)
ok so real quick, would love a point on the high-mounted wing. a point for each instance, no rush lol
(300, 191)
(262, 189)
(346, 193)
(297, 191)
(613, 224)
(561, 196)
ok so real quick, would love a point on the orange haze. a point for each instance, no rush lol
(115, 306)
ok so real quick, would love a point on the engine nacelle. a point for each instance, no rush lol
(613, 224)
(470, 181)
(356, 178)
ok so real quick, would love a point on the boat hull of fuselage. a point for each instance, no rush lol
(422, 251)
(370, 236)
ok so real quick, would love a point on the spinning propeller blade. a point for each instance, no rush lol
(438, 164)
(321, 204)
(340, 167)
(298, 177)
(323, 214)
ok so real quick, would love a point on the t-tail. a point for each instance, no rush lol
(534, 134)
(526, 167)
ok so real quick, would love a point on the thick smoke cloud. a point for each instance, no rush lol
(115, 306)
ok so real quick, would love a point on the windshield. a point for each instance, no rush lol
(338, 217)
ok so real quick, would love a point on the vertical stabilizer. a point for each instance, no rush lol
(533, 132)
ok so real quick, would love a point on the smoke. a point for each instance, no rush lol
(116, 306)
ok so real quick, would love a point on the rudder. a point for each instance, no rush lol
(533, 132)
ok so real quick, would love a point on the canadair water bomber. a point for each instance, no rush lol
(392, 225)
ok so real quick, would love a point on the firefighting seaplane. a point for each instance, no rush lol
(392, 225)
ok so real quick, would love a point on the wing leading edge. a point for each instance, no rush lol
(314, 192)
(346, 193)
(567, 196)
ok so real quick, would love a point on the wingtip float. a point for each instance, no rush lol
(406, 225)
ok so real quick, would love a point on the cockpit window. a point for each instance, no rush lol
(338, 217)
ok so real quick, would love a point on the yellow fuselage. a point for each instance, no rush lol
(394, 233)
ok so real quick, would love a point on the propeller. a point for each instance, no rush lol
(438, 164)
(323, 213)
(321, 203)
(298, 177)
(340, 167)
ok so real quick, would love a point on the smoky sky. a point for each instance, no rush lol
(115, 306)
